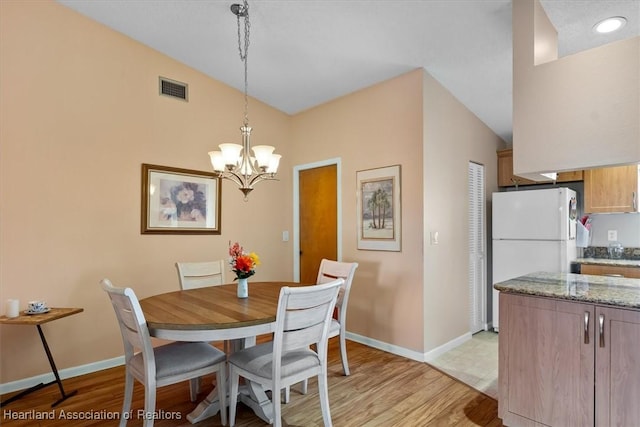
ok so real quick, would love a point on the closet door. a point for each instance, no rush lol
(477, 249)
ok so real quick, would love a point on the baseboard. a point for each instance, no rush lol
(439, 351)
(118, 361)
(389, 348)
(76, 371)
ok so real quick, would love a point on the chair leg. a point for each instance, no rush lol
(304, 386)
(221, 385)
(323, 391)
(128, 394)
(149, 404)
(286, 394)
(234, 378)
(194, 388)
(343, 354)
(277, 408)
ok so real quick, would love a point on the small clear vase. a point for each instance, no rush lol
(243, 288)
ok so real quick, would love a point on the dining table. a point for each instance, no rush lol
(216, 313)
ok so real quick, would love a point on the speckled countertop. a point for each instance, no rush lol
(615, 291)
(609, 261)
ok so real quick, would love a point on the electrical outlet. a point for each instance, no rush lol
(612, 235)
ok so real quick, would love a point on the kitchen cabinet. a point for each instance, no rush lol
(567, 363)
(617, 367)
(612, 189)
(607, 270)
(506, 178)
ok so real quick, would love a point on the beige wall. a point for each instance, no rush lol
(580, 111)
(453, 137)
(79, 114)
(375, 127)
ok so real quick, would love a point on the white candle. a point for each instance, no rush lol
(13, 308)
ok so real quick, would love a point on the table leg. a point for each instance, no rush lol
(251, 394)
(58, 381)
(65, 396)
(205, 409)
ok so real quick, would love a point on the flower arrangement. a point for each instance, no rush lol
(242, 263)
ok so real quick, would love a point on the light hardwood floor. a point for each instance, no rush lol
(382, 390)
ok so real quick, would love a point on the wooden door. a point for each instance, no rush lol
(617, 367)
(318, 219)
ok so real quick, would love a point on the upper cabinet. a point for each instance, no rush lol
(612, 189)
(506, 178)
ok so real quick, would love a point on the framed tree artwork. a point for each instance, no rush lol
(379, 211)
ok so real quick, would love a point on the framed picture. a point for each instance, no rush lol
(180, 201)
(379, 211)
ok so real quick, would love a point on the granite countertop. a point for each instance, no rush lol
(614, 291)
(609, 261)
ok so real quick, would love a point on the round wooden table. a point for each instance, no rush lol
(213, 314)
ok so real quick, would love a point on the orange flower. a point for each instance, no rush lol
(242, 264)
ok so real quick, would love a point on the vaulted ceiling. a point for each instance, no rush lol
(306, 52)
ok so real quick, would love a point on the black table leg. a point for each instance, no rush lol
(55, 370)
(41, 385)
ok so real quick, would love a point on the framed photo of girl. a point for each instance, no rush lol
(179, 201)
(379, 210)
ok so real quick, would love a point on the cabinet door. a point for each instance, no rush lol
(604, 270)
(611, 189)
(546, 360)
(569, 176)
(617, 367)
(506, 178)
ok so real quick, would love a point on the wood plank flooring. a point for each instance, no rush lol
(382, 390)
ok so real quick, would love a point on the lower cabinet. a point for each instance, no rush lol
(567, 364)
(605, 270)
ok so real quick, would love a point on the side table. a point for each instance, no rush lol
(37, 320)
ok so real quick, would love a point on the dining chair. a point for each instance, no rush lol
(302, 319)
(201, 274)
(163, 365)
(194, 275)
(330, 270)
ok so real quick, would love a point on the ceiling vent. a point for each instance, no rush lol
(173, 89)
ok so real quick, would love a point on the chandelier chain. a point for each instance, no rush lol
(234, 161)
(244, 51)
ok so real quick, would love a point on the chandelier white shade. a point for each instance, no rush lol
(240, 163)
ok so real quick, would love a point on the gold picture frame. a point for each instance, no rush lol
(180, 201)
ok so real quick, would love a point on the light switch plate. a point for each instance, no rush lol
(285, 236)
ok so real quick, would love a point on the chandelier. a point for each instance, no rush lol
(234, 161)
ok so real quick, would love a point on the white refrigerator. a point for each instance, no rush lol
(533, 230)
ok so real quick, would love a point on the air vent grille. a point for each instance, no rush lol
(173, 89)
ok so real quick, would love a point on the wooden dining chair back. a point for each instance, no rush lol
(330, 270)
(201, 274)
(163, 365)
(302, 319)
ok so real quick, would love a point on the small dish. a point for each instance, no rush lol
(29, 312)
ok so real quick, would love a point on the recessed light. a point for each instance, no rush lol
(609, 25)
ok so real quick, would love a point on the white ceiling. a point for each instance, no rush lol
(306, 52)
